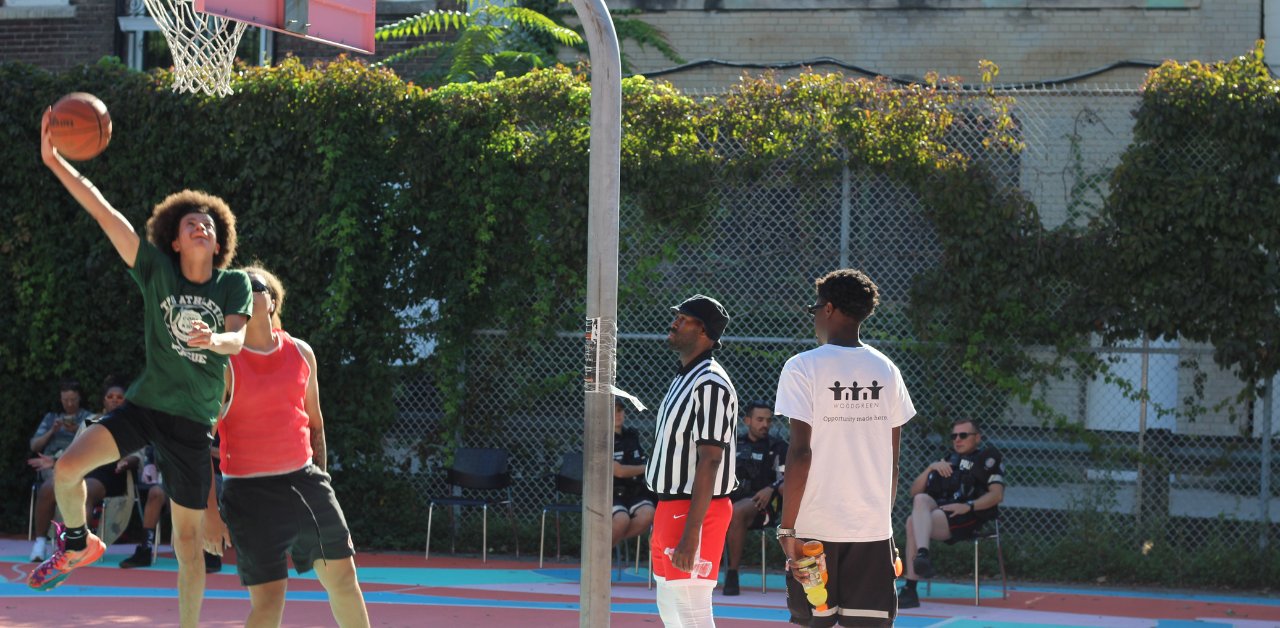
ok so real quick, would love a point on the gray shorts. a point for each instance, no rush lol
(295, 514)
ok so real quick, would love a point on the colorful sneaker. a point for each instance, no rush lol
(52, 572)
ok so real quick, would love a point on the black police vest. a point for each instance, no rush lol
(963, 485)
(627, 450)
(754, 464)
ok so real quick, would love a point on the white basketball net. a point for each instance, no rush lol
(203, 46)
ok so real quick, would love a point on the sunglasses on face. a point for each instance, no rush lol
(962, 435)
(813, 309)
(258, 286)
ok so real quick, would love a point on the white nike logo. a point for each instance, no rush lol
(676, 516)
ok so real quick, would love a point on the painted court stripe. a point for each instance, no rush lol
(13, 590)
(1224, 599)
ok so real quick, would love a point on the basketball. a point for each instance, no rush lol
(80, 126)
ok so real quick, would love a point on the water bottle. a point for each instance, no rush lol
(812, 570)
(701, 566)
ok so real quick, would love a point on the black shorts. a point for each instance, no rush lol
(962, 526)
(763, 517)
(631, 503)
(114, 482)
(294, 513)
(182, 449)
(860, 589)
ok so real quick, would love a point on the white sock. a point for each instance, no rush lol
(38, 548)
(686, 606)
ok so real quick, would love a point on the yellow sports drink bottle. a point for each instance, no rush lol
(813, 569)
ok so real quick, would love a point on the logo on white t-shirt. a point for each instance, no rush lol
(853, 392)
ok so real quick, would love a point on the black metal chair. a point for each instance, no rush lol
(984, 535)
(568, 482)
(480, 470)
(979, 536)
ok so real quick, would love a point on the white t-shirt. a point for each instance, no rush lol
(852, 397)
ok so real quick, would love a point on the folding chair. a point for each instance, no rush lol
(568, 482)
(983, 535)
(481, 470)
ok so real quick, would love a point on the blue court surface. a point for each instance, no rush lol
(406, 590)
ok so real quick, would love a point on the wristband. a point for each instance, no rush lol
(971, 508)
(786, 532)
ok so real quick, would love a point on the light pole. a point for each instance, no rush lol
(602, 308)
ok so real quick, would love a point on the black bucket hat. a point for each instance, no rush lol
(708, 310)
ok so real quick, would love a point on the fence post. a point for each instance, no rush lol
(1264, 494)
(1142, 430)
(602, 308)
(845, 260)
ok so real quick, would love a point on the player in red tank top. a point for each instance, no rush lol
(274, 481)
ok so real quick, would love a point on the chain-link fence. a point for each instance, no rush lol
(1200, 471)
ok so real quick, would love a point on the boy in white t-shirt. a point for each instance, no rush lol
(847, 404)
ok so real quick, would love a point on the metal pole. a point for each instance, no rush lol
(1264, 495)
(1142, 424)
(845, 260)
(602, 304)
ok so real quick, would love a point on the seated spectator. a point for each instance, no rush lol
(953, 498)
(55, 434)
(149, 485)
(757, 500)
(633, 504)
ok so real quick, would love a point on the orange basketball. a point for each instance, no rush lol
(80, 126)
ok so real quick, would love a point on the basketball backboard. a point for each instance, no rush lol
(343, 23)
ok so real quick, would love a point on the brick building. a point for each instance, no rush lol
(58, 34)
(1031, 40)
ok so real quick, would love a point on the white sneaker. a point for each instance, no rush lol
(37, 551)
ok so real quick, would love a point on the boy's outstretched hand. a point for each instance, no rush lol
(47, 152)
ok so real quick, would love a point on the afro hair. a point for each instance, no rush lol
(849, 291)
(162, 227)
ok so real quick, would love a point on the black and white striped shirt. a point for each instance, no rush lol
(701, 408)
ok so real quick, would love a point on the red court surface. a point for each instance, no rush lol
(405, 590)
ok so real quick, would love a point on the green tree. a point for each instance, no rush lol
(492, 39)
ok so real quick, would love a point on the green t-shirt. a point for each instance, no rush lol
(180, 379)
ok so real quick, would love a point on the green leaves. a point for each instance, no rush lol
(493, 40)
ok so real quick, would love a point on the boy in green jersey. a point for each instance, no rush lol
(195, 313)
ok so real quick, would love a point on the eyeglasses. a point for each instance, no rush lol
(962, 435)
(258, 286)
(813, 309)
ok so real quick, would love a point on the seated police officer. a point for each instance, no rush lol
(953, 498)
(632, 502)
(757, 502)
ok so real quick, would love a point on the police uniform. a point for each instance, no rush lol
(972, 476)
(760, 464)
(629, 494)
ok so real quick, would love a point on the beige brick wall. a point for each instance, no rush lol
(1028, 44)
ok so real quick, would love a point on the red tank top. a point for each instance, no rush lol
(265, 427)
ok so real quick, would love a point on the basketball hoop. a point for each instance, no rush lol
(203, 46)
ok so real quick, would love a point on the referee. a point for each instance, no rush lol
(692, 466)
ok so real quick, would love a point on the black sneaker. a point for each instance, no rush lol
(141, 558)
(212, 563)
(908, 598)
(731, 582)
(924, 566)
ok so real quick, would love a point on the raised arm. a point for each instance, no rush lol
(117, 228)
(319, 451)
